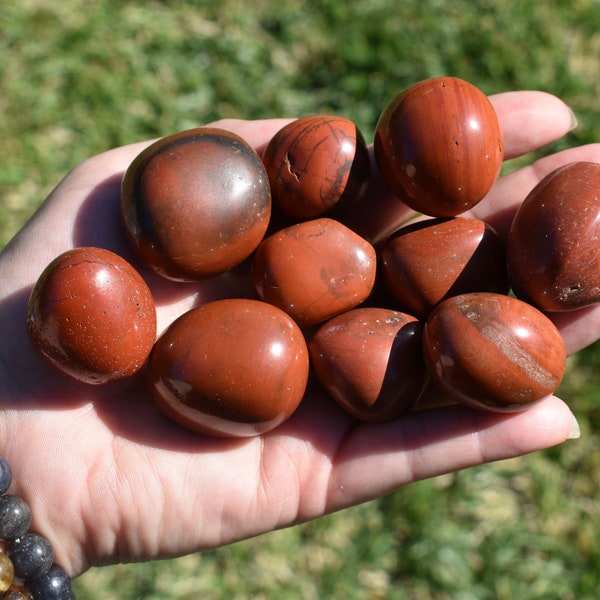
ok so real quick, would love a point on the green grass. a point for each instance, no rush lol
(79, 77)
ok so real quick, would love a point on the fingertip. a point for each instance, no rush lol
(531, 119)
(550, 422)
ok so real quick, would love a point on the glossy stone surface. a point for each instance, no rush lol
(5, 475)
(316, 162)
(314, 270)
(492, 351)
(428, 261)
(7, 572)
(439, 146)
(552, 250)
(231, 368)
(92, 316)
(370, 362)
(31, 555)
(15, 517)
(54, 585)
(196, 203)
(17, 592)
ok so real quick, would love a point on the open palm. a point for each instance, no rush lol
(109, 478)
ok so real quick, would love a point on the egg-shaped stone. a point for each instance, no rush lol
(315, 163)
(92, 316)
(370, 361)
(314, 270)
(439, 146)
(493, 351)
(553, 248)
(196, 203)
(230, 368)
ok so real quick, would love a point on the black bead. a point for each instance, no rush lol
(15, 517)
(5, 475)
(32, 555)
(54, 585)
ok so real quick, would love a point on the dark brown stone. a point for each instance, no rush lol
(196, 203)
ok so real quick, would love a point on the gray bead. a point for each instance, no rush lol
(32, 555)
(54, 585)
(5, 475)
(15, 517)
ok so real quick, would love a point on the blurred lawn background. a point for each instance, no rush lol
(80, 77)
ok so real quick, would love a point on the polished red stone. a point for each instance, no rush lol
(314, 270)
(553, 244)
(196, 203)
(493, 351)
(428, 261)
(439, 146)
(316, 162)
(370, 362)
(230, 368)
(92, 316)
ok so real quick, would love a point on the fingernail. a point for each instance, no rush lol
(575, 430)
(574, 121)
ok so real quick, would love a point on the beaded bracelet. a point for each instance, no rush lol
(27, 568)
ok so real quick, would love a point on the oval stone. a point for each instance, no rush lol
(439, 146)
(493, 351)
(314, 270)
(92, 316)
(196, 203)
(230, 368)
(553, 248)
(315, 163)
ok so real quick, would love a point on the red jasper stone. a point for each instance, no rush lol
(493, 351)
(92, 316)
(230, 368)
(314, 270)
(439, 146)
(428, 261)
(552, 248)
(316, 162)
(370, 362)
(196, 203)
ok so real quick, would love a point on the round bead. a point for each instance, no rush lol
(316, 162)
(17, 592)
(5, 475)
(439, 146)
(32, 555)
(7, 572)
(370, 362)
(314, 270)
(428, 261)
(493, 351)
(92, 316)
(231, 368)
(196, 203)
(55, 584)
(552, 248)
(15, 517)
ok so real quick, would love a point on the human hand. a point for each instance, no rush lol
(109, 478)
